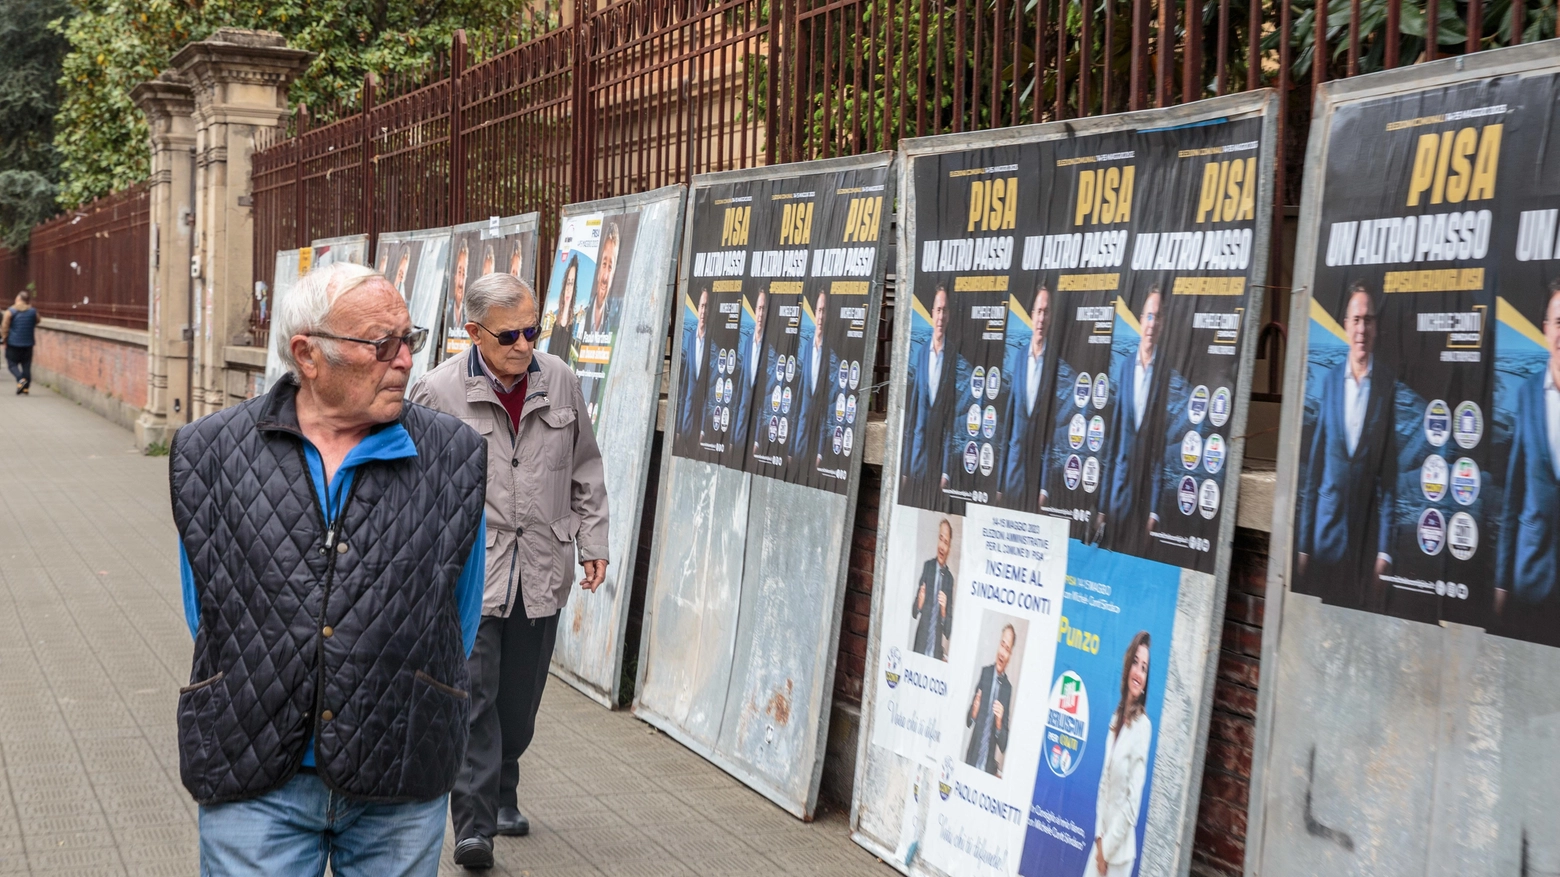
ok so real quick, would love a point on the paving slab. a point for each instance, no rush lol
(93, 650)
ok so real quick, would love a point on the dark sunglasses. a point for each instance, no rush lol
(385, 349)
(509, 337)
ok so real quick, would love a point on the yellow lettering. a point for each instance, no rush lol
(994, 205)
(1085, 196)
(1424, 168)
(1438, 191)
(1462, 172)
(1210, 191)
(1248, 192)
(977, 203)
(1112, 183)
(1483, 185)
(1124, 194)
(1010, 208)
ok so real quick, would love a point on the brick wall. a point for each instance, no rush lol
(852, 657)
(107, 376)
(1220, 843)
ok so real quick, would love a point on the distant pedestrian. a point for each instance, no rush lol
(547, 493)
(331, 552)
(16, 333)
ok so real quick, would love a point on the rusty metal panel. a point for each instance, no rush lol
(1406, 719)
(623, 403)
(1021, 813)
(750, 552)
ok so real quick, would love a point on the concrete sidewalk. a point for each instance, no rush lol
(93, 650)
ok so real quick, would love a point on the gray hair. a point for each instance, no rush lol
(307, 307)
(496, 290)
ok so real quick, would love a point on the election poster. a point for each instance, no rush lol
(1074, 332)
(1412, 584)
(506, 244)
(1424, 488)
(630, 246)
(774, 336)
(583, 312)
(291, 265)
(352, 248)
(417, 264)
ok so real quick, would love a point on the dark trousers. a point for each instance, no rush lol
(18, 361)
(508, 669)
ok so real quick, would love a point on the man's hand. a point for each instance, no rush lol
(942, 602)
(975, 705)
(1302, 560)
(945, 481)
(1383, 567)
(595, 572)
(920, 597)
(996, 713)
(1153, 521)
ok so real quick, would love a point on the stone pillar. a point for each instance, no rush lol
(169, 108)
(239, 80)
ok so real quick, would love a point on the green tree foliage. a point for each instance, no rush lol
(116, 44)
(29, 97)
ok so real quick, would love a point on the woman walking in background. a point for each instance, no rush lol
(1125, 770)
(16, 333)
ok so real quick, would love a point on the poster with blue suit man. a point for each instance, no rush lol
(1400, 463)
(1134, 470)
(1527, 572)
(1030, 420)
(929, 406)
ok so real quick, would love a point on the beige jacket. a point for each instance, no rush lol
(546, 488)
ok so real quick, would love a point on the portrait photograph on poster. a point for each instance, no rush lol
(478, 249)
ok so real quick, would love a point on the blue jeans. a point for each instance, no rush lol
(294, 830)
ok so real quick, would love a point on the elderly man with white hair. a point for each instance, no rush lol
(331, 552)
(546, 499)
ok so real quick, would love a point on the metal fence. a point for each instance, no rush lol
(635, 94)
(88, 264)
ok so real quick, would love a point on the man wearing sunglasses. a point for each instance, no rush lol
(546, 502)
(332, 560)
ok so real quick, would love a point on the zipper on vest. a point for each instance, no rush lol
(330, 573)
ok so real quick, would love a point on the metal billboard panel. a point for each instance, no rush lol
(619, 363)
(1406, 718)
(286, 277)
(505, 244)
(946, 783)
(417, 264)
(352, 248)
(781, 280)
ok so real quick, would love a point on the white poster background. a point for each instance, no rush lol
(913, 706)
(1014, 572)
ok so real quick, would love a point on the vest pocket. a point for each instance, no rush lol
(201, 753)
(437, 726)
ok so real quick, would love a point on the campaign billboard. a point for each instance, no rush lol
(477, 249)
(417, 264)
(622, 253)
(1073, 345)
(774, 335)
(1412, 607)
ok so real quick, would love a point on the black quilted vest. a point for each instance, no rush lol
(385, 694)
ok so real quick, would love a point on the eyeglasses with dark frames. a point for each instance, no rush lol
(385, 349)
(508, 337)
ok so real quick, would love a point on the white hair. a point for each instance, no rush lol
(307, 307)
(497, 290)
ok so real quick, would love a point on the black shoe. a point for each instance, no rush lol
(25, 388)
(512, 823)
(474, 853)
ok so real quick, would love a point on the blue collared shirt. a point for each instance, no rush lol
(391, 443)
